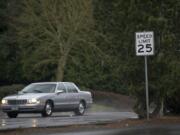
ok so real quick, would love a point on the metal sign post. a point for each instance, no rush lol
(145, 47)
(146, 86)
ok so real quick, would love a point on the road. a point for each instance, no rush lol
(111, 107)
(62, 119)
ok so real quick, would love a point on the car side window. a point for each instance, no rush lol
(61, 87)
(71, 88)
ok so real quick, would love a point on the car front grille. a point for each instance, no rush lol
(17, 102)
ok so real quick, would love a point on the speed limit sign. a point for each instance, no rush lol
(145, 47)
(144, 43)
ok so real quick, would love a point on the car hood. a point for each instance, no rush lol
(28, 96)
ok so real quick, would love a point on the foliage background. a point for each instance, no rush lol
(110, 63)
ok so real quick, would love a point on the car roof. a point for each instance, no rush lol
(50, 82)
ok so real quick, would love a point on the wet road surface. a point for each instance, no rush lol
(61, 119)
(116, 108)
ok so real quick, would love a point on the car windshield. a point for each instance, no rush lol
(39, 88)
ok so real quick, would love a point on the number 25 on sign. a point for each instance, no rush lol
(144, 43)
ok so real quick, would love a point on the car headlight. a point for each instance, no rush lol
(33, 101)
(4, 101)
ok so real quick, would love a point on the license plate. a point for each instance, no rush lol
(14, 108)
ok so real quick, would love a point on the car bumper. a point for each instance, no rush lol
(23, 108)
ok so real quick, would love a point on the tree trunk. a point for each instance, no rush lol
(161, 112)
(156, 110)
(61, 68)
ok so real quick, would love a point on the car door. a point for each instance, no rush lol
(61, 99)
(73, 95)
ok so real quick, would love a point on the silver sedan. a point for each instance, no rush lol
(47, 97)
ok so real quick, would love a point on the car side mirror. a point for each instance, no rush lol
(59, 92)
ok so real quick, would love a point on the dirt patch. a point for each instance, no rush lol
(139, 122)
(117, 101)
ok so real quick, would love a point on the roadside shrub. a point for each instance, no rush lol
(10, 89)
(173, 103)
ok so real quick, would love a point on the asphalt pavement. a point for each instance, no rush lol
(106, 111)
(61, 119)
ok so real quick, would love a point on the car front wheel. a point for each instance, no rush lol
(81, 109)
(47, 110)
(12, 114)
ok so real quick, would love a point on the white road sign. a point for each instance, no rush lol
(144, 43)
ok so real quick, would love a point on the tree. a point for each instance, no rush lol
(9, 52)
(49, 29)
(119, 20)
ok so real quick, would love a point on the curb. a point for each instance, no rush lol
(59, 126)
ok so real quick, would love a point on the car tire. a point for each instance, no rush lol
(81, 109)
(48, 109)
(12, 114)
